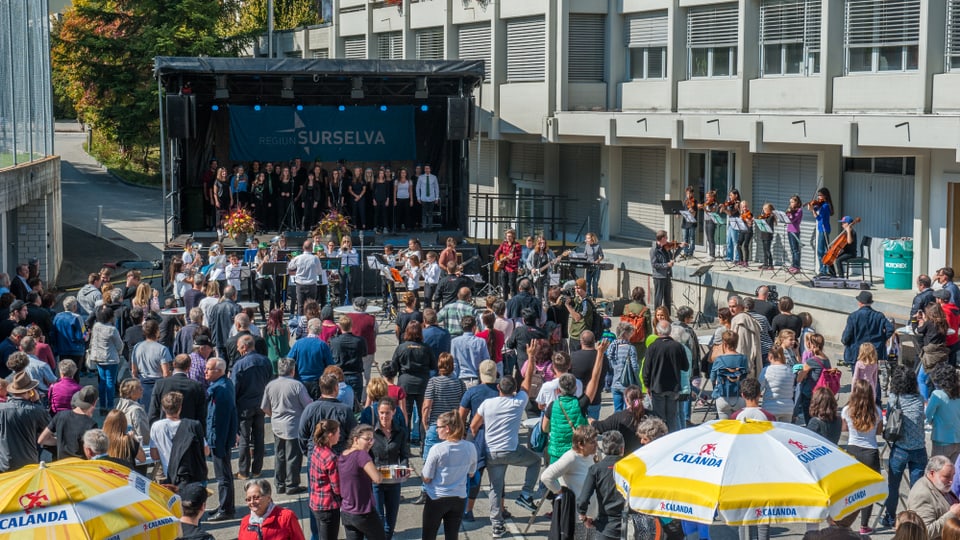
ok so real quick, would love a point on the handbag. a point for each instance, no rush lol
(893, 427)
(829, 377)
(628, 377)
(538, 439)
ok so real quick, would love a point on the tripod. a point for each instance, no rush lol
(289, 213)
(700, 319)
(488, 287)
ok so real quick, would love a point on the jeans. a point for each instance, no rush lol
(683, 413)
(147, 385)
(325, 524)
(449, 511)
(251, 438)
(414, 404)
(497, 463)
(733, 238)
(794, 240)
(618, 403)
(901, 460)
(388, 506)
(592, 276)
(289, 460)
(223, 472)
(360, 526)
(508, 280)
(108, 381)
(690, 237)
(665, 406)
(355, 381)
(823, 242)
(430, 440)
(593, 411)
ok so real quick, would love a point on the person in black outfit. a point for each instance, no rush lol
(661, 260)
(924, 298)
(665, 360)
(311, 198)
(250, 376)
(348, 351)
(600, 481)
(450, 285)
(382, 195)
(524, 300)
(193, 501)
(194, 404)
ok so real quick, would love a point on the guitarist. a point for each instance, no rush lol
(506, 262)
(539, 262)
(849, 250)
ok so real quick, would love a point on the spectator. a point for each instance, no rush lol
(178, 444)
(193, 502)
(943, 412)
(565, 477)
(726, 372)
(776, 381)
(150, 360)
(324, 478)
(94, 444)
(194, 404)
(183, 342)
(446, 473)
(748, 331)
(468, 351)
(312, 356)
(241, 324)
(220, 319)
(414, 361)
(326, 408)
(600, 482)
(665, 360)
(750, 392)
(390, 448)
(450, 315)
(61, 392)
(68, 340)
(250, 376)
(39, 370)
(435, 337)
(66, 429)
(910, 450)
(21, 422)
(358, 474)
(284, 400)
(443, 393)
(626, 421)
(277, 336)
(266, 519)
(824, 420)
(365, 326)
(222, 429)
(128, 403)
(348, 351)
(865, 325)
(930, 496)
(408, 314)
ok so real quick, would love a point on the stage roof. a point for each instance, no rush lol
(261, 80)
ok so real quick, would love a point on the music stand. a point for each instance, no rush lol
(700, 319)
(672, 207)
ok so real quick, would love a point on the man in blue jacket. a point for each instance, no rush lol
(865, 325)
(250, 376)
(222, 428)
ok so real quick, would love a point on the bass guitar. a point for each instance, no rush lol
(836, 248)
(461, 266)
(538, 273)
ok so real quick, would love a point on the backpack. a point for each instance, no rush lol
(728, 381)
(537, 379)
(639, 321)
(829, 377)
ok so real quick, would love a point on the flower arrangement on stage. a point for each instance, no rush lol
(334, 224)
(240, 223)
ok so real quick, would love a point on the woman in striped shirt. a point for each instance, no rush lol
(443, 394)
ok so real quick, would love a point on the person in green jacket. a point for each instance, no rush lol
(277, 336)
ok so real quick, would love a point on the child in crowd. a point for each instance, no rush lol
(233, 271)
(431, 277)
(867, 367)
(806, 330)
(750, 392)
(787, 340)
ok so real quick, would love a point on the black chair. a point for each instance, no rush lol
(863, 261)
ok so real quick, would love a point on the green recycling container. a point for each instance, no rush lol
(898, 263)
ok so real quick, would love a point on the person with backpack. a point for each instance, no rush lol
(726, 373)
(638, 315)
(624, 364)
(815, 363)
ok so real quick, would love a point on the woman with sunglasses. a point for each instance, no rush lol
(267, 520)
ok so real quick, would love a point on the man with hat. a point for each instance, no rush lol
(952, 313)
(849, 250)
(193, 501)
(66, 429)
(22, 419)
(202, 351)
(865, 325)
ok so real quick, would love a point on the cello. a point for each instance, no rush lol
(836, 247)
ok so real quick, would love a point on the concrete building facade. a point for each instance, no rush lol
(623, 103)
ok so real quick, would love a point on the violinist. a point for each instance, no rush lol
(732, 208)
(710, 206)
(745, 237)
(822, 208)
(766, 238)
(661, 260)
(795, 217)
(849, 250)
(689, 228)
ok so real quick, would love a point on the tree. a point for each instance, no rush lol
(103, 58)
(251, 15)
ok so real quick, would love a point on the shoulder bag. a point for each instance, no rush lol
(893, 427)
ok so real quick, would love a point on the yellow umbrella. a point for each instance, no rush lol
(80, 499)
(749, 472)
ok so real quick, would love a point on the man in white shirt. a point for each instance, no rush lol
(549, 390)
(305, 270)
(501, 417)
(428, 193)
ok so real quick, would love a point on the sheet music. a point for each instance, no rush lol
(781, 217)
(762, 226)
(718, 218)
(688, 216)
(737, 224)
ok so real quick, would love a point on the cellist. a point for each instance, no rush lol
(850, 250)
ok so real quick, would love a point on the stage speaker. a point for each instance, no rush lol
(458, 118)
(181, 116)
(205, 237)
(443, 235)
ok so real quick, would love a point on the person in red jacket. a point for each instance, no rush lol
(266, 520)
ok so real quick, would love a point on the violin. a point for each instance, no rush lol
(670, 246)
(747, 217)
(815, 204)
(836, 248)
(765, 215)
(691, 204)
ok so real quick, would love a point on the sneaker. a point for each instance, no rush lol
(422, 499)
(887, 521)
(468, 517)
(527, 502)
(865, 531)
(499, 531)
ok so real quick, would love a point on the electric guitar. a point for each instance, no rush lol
(538, 273)
(461, 266)
(498, 263)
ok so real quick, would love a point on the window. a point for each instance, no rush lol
(647, 45)
(790, 37)
(712, 41)
(430, 44)
(320, 53)
(882, 35)
(586, 58)
(526, 50)
(953, 35)
(474, 43)
(355, 47)
(905, 166)
(390, 46)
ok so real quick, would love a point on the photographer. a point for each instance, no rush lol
(581, 313)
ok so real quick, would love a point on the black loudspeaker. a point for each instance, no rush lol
(458, 118)
(181, 116)
(443, 235)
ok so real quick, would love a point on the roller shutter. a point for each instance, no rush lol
(642, 191)
(430, 44)
(526, 49)
(474, 44)
(355, 48)
(580, 180)
(776, 178)
(586, 47)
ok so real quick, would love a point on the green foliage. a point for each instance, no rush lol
(102, 59)
(251, 15)
(137, 167)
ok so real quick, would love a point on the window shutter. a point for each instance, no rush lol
(320, 53)
(430, 44)
(647, 29)
(712, 26)
(355, 47)
(390, 46)
(586, 47)
(953, 32)
(526, 49)
(474, 42)
(876, 23)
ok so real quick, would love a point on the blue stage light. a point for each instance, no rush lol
(383, 108)
(257, 108)
(299, 107)
(341, 108)
(424, 108)
(215, 108)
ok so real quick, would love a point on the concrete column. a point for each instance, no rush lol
(923, 178)
(932, 45)
(743, 176)
(831, 48)
(617, 64)
(673, 188)
(748, 55)
(829, 175)
(676, 49)
(611, 189)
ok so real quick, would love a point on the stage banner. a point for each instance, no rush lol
(326, 133)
